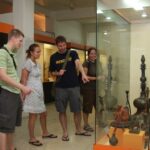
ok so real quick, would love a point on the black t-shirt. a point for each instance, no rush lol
(70, 78)
(91, 71)
(91, 67)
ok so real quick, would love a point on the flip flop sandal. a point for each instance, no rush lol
(50, 136)
(83, 134)
(65, 138)
(35, 143)
(88, 128)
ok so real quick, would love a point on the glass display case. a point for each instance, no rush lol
(122, 32)
(113, 43)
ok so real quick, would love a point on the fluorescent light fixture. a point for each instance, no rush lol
(135, 4)
(144, 15)
(99, 11)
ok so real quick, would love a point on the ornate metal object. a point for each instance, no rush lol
(122, 115)
(141, 102)
(139, 121)
(110, 100)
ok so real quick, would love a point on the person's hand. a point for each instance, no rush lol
(26, 90)
(85, 78)
(101, 77)
(61, 72)
(22, 97)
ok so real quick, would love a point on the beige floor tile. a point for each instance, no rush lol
(75, 142)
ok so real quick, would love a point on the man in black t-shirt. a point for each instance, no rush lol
(67, 85)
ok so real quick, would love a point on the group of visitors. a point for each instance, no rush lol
(27, 93)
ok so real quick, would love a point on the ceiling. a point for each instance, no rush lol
(57, 5)
(120, 7)
(133, 16)
(125, 8)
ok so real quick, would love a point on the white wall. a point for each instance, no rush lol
(140, 45)
(89, 32)
(72, 30)
(6, 18)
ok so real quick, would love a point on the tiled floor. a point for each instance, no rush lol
(75, 142)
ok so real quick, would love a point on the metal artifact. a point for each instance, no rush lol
(113, 139)
(141, 117)
(122, 115)
(110, 100)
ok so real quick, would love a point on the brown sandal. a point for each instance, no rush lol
(35, 143)
(49, 136)
(65, 138)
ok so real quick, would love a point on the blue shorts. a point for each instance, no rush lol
(65, 95)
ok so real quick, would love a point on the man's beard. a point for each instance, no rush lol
(15, 50)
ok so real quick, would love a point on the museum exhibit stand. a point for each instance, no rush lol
(122, 118)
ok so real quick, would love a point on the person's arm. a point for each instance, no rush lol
(58, 73)
(24, 76)
(80, 68)
(52, 69)
(4, 77)
(89, 77)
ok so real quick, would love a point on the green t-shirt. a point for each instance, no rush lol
(6, 62)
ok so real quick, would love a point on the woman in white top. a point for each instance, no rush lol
(34, 102)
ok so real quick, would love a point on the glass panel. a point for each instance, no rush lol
(113, 44)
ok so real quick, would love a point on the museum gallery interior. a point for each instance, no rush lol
(120, 31)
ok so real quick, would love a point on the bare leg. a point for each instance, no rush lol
(63, 122)
(85, 118)
(3, 141)
(77, 121)
(10, 141)
(43, 123)
(31, 125)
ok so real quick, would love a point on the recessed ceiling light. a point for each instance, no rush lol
(99, 11)
(105, 33)
(108, 18)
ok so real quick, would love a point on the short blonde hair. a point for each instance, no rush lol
(15, 33)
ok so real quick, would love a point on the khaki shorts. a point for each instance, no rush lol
(10, 111)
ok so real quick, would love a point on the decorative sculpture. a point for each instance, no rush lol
(141, 102)
(110, 100)
(139, 121)
(122, 115)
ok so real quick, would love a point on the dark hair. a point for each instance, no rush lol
(31, 49)
(90, 49)
(15, 33)
(60, 39)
